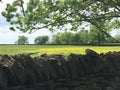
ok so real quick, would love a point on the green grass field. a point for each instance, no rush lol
(55, 49)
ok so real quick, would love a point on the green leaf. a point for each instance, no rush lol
(12, 28)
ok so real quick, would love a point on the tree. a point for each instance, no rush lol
(81, 37)
(117, 37)
(92, 36)
(63, 38)
(66, 38)
(96, 36)
(56, 39)
(58, 13)
(22, 40)
(41, 40)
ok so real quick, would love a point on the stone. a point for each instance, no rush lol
(62, 88)
(8, 62)
(26, 61)
(58, 67)
(3, 79)
(72, 68)
(85, 69)
(81, 88)
(110, 63)
(91, 52)
(20, 73)
(52, 69)
(65, 69)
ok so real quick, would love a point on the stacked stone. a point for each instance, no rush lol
(22, 69)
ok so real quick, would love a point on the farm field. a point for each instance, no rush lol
(54, 49)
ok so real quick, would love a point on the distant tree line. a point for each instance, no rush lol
(91, 36)
(81, 37)
(40, 40)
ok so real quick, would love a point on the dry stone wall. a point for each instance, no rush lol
(91, 71)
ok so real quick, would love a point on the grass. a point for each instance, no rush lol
(54, 49)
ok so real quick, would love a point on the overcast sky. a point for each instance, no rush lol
(9, 37)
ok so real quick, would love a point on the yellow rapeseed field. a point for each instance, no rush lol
(54, 49)
(66, 50)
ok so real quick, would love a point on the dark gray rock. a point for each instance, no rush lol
(26, 61)
(3, 79)
(7, 62)
(90, 52)
(73, 69)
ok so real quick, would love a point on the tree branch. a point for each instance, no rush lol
(96, 25)
(22, 7)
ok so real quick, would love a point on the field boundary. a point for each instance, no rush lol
(93, 44)
(91, 71)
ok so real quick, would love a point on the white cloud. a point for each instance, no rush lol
(9, 37)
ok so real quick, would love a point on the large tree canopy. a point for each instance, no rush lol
(52, 14)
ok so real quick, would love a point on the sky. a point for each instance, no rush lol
(9, 37)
